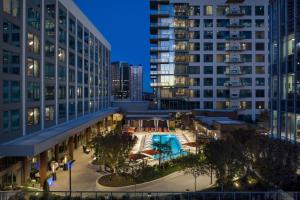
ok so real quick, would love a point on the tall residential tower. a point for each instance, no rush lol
(210, 55)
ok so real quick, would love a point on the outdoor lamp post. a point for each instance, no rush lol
(70, 163)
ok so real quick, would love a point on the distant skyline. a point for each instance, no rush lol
(125, 24)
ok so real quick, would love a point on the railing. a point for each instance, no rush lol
(95, 195)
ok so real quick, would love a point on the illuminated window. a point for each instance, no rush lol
(33, 43)
(33, 116)
(49, 113)
(33, 68)
(208, 10)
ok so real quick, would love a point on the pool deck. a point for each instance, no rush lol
(144, 141)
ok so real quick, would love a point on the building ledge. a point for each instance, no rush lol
(33, 144)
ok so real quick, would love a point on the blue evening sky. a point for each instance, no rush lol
(125, 24)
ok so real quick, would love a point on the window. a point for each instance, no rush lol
(33, 68)
(50, 28)
(50, 10)
(208, 81)
(61, 55)
(246, 34)
(71, 108)
(79, 77)
(49, 113)
(33, 18)
(11, 7)
(71, 92)
(71, 75)
(222, 34)
(208, 93)
(246, 22)
(62, 110)
(260, 93)
(11, 62)
(222, 22)
(71, 59)
(222, 81)
(208, 23)
(208, 46)
(11, 91)
(33, 116)
(208, 70)
(79, 47)
(246, 69)
(246, 81)
(79, 107)
(62, 18)
(61, 73)
(208, 58)
(223, 93)
(246, 10)
(33, 91)
(208, 105)
(260, 82)
(11, 34)
(221, 69)
(72, 26)
(260, 23)
(194, 70)
(11, 120)
(33, 43)
(49, 71)
(260, 35)
(260, 46)
(208, 34)
(245, 105)
(79, 92)
(49, 92)
(221, 46)
(259, 69)
(245, 93)
(79, 32)
(62, 37)
(208, 10)
(221, 10)
(260, 105)
(49, 49)
(62, 92)
(71, 42)
(260, 58)
(259, 10)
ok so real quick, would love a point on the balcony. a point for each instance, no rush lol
(160, 13)
(233, 60)
(234, 13)
(161, 37)
(162, 84)
(159, 60)
(235, 37)
(160, 25)
(234, 48)
(161, 48)
(233, 71)
(233, 83)
(235, 25)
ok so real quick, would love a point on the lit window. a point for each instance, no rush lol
(49, 113)
(208, 10)
(12, 7)
(33, 68)
(33, 116)
(33, 43)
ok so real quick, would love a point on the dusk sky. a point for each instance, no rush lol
(125, 24)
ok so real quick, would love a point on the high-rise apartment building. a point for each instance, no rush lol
(54, 84)
(136, 83)
(120, 72)
(210, 55)
(285, 68)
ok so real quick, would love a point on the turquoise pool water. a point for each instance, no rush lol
(169, 144)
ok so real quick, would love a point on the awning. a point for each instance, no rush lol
(33, 144)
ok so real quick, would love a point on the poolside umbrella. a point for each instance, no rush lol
(136, 156)
(151, 152)
(191, 144)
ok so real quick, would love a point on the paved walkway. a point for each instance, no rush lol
(84, 178)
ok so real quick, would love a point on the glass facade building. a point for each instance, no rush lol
(210, 55)
(285, 68)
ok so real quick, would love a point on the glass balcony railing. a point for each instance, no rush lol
(236, 71)
(161, 48)
(235, 25)
(161, 24)
(160, 60)
(233, 60)
(233, 84)
(234, 12)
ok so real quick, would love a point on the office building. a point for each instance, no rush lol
(120, 72)
(285, 68)
(136, 83)
(210, 55)
(54, 83)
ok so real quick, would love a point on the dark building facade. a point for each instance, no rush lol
(120, 80)
(285, 68)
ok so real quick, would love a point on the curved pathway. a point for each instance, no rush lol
(84, 178)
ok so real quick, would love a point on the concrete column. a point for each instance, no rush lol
(168, 125)
(25, 170)
(56, 152)
(43, 167)
(87, 136)
(71, 147)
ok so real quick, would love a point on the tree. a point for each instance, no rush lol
(196, 165)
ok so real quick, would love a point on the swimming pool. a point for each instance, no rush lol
(169, 144)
